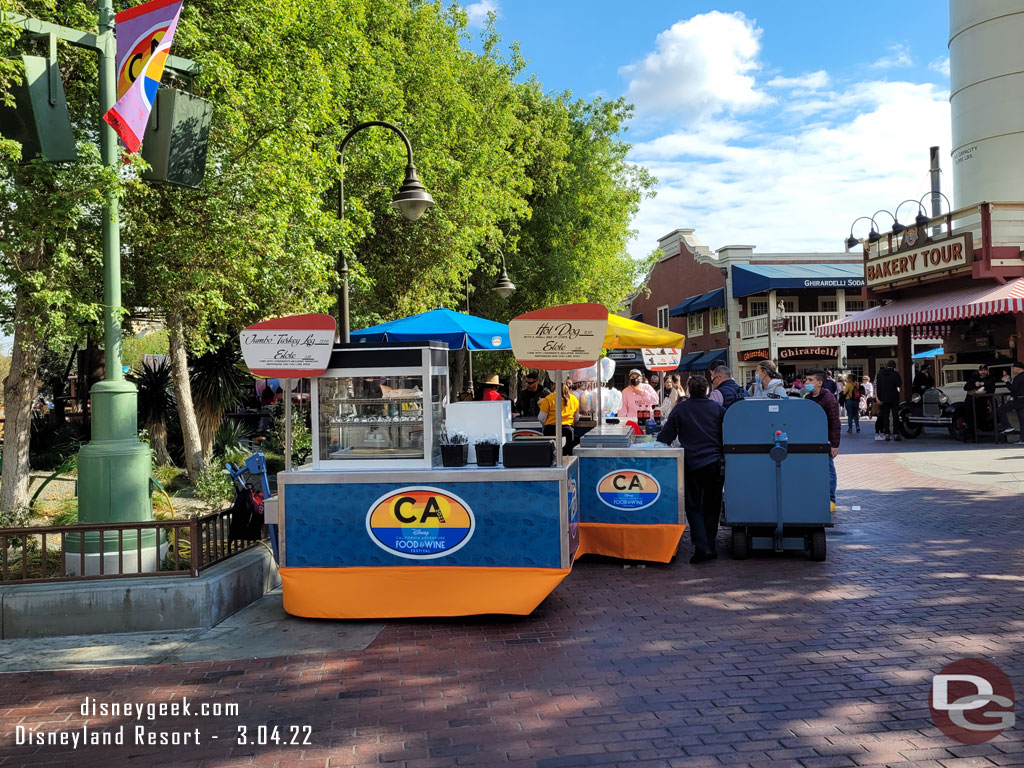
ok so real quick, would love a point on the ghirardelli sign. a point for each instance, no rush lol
(931, 260)
(291, 347)
(559, 338)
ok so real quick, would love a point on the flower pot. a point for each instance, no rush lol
(487, 454)
(455, 455)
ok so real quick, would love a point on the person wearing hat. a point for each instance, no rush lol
(923, 380)
(528, 402)
(1015, 403)
(490, 389)
(637, 396)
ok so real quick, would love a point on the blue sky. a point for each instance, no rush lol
(773, 124)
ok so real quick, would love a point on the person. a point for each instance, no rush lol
(815, 386)
(1015, 403)
(489, 387)
(674, 392)
(887, 388)
(851, 401)
(570, 415)
(979, 383)
(636, 397)
(726, 391)
(797, 390)
(830, 383)
(767, 381)
(697, 424)
(868, 390)
(923, 380)
(528, 402)
(267, 396)
(466, 395)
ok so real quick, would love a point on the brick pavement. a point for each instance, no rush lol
(773, 661)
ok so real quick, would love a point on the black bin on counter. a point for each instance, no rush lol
(538, 452)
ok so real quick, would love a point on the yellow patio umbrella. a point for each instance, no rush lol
(623, 333)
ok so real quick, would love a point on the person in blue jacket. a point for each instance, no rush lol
(724, 389)
(697, 423)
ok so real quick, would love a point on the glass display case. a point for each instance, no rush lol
(380, 406)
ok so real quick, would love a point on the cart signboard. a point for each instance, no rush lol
(661, 359)
(297, 346)
(559, 338)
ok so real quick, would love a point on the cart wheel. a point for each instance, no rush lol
(740, 544)
(817, 547)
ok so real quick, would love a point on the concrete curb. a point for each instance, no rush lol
(138, 604)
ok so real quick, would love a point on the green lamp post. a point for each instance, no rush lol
(114, 467)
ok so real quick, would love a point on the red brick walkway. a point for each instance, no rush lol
(770, 661)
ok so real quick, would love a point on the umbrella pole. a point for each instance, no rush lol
(559, 404)
(469, 359)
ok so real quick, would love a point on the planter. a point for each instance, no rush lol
(487, 454)
(454, 455)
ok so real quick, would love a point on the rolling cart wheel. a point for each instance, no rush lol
(817, 548)
(740, 544)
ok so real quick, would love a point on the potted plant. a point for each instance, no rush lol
(454, 448)
(487, 451)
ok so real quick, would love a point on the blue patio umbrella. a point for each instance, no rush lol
(928, 353)
(458, 330)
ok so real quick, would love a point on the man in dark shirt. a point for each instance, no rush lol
(528, 402)
(830, 383)
(1015, 403)
(979, 409)
(924, 380)
(697, 422)
(814, 384)
(887, 389)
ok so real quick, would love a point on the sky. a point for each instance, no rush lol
(772, 124)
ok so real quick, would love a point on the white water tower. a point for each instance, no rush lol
(986, 72)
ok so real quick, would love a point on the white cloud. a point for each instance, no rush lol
(898, 56)
(941, 66)
(477, 12)
(700, 67)
(795, 187)
(812, 81)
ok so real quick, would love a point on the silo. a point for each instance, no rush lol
(986, 69)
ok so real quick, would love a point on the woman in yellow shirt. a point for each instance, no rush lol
(570, 415)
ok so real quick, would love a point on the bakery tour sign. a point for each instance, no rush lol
(930, 260)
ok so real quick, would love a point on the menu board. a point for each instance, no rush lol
(559, 338)
(289, 347)
(661, 359)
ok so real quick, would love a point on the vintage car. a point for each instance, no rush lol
(947, 406)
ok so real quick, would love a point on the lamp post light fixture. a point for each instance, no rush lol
(504, 287)
(898, 228)
(873, 235)
(922, 218)
(851, 241)
(412, 200)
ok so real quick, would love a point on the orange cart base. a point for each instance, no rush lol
(391, 592)
(656, 543)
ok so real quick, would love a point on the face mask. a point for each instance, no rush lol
(634, 382)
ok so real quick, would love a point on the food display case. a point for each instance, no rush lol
(370, 407)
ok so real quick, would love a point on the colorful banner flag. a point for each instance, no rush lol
(144, 37)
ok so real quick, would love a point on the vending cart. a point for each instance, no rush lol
(375, 527)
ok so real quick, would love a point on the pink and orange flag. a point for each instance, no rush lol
(144, 37)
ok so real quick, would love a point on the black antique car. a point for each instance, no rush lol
(932, 408)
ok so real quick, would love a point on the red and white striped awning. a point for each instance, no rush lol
(921, 311)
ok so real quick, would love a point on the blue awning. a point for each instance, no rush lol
(683, 307)
(761, 278)
(704, 362)
(684, 364)
(928, 353)
(710, 300)
(639, 317)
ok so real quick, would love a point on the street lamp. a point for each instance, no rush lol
(504, 287)
(412, 200)
(922, 219)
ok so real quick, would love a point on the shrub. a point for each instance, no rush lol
(214, 485)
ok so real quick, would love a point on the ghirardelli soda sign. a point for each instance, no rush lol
(291, 347)
(559, 338)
